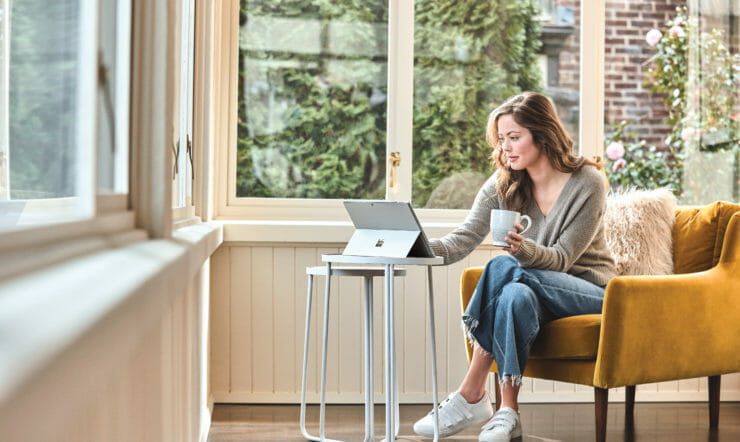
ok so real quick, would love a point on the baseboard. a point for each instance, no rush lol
(205, 420)
(617, 395)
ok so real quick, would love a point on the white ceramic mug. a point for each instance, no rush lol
(502, 222)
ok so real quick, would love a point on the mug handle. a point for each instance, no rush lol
(529, 223)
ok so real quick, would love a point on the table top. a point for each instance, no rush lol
(347, 259)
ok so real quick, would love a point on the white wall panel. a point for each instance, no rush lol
(258, 331)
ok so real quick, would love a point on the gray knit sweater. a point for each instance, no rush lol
(569, 239)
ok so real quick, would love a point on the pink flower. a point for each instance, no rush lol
(653, 37)
(687, 133)
(734, 117)
(619, 164)
(676, 31)
(614, 150)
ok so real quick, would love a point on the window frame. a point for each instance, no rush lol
(227, 207)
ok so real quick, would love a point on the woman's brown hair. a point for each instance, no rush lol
(535, 112)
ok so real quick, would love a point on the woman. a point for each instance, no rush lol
(558, 268)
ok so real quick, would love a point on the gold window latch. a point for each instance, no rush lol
(393, 162)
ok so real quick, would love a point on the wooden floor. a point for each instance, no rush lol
(674, 422)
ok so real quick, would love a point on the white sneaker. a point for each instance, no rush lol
(503, 426)
(455, 414)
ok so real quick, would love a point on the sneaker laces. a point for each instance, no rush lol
(504, 419)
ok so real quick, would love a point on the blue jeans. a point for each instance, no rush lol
(511, 303)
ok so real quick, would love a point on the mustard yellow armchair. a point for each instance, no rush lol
(652, 328)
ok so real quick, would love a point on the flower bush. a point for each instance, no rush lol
(631, 163)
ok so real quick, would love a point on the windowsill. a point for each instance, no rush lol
(310, 232)
(68, 307)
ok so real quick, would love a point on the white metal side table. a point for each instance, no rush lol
(391, 397)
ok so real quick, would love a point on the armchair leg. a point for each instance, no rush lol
(714, 387)
(601, 397)
(629, 406)
(497, 405)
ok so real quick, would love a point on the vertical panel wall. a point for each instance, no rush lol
(154, 389)
(258, 310)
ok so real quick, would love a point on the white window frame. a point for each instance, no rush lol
(264, 211)
(4, 103)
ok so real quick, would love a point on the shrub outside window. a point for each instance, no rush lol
(48, 99)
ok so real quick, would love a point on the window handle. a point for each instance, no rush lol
(190, 158)
(176, 154)
(393, 162)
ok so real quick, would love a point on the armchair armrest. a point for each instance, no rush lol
(660, 328)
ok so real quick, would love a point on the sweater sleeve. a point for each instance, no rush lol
(460, 242)
(587, 203)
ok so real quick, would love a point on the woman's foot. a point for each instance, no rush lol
(503, 426)
(455, 414)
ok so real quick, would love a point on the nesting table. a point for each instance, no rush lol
(383, 266)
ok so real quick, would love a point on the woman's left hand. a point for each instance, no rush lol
(514, 240)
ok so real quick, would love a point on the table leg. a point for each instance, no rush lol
(305, 360)
(369, 403)
(433, 353)
(389, 350)
(322, 412)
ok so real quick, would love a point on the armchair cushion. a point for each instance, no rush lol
(574, 337)
(698, 233)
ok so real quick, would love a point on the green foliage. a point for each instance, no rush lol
(42, 98)
(640, 166)
(309, 125)
(312, 124)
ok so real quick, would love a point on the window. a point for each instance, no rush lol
(325, 112)
(48, 94)
(673, 106)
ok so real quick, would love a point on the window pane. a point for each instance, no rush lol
(50, 110)
(672, 99)
(312, 99)
(466, 63)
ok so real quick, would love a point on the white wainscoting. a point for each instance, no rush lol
(258, 308)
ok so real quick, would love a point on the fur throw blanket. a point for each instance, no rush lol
(638, 226)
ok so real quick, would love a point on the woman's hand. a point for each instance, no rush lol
(514, 240)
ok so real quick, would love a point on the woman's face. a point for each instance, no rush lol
(517, 143)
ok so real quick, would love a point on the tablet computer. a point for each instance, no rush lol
(385, 228)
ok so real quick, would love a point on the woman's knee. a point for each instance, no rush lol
(501, 263)
(516, 296)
